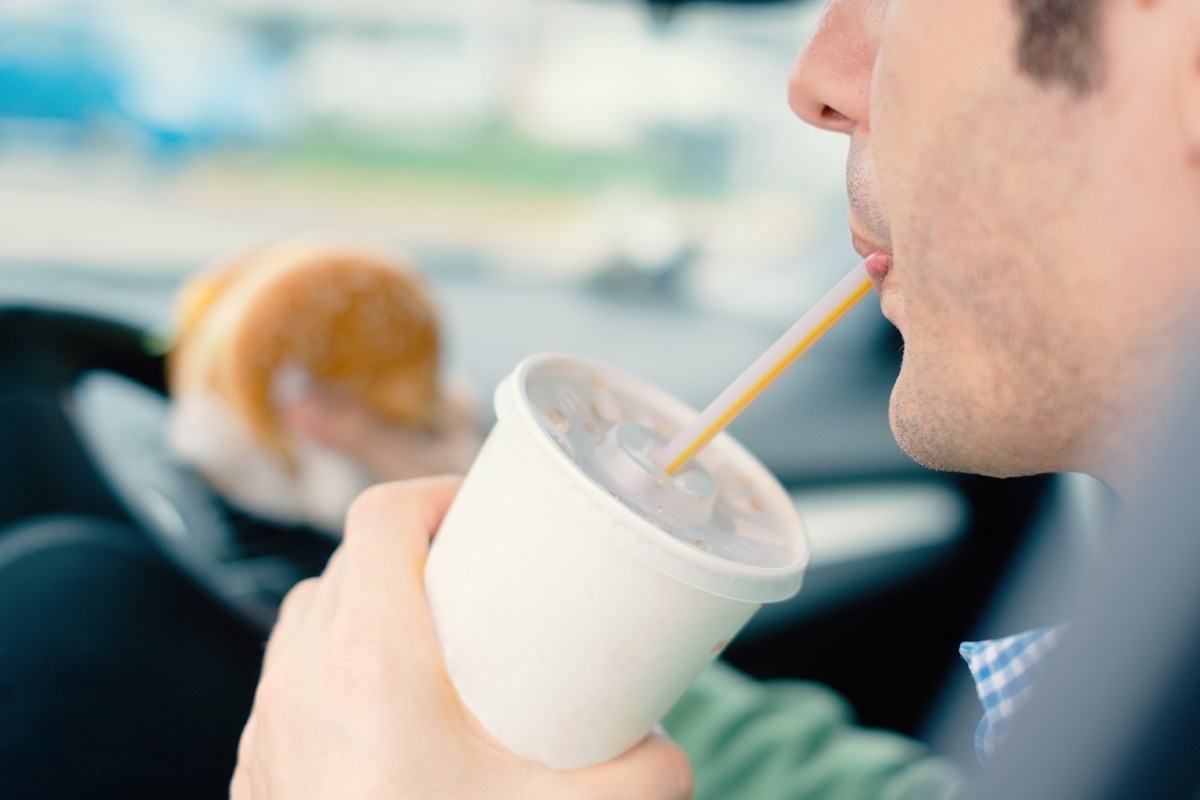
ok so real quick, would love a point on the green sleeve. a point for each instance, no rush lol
(787, 740)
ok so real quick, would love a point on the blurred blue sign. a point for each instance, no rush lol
(171, 82)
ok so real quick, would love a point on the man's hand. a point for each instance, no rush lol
(387, 450)
(354, 700)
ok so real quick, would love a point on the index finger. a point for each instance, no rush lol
(386, 541)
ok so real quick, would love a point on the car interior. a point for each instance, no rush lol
(904, 560)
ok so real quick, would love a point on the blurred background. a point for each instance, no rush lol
(532, 140)
(580, 175)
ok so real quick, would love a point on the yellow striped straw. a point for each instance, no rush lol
(766, 369)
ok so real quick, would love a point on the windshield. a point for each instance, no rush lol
(526, 140)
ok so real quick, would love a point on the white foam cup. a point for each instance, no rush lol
(576, 590)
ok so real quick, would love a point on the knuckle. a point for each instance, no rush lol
(298, 597)
(365, 505)
(371, 503)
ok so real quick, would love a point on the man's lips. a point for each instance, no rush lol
(878, 260)
(878, 264)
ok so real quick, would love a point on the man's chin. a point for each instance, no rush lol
(918, 450)
(930, 433)
(947, 445)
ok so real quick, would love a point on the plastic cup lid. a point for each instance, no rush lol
(722, 524)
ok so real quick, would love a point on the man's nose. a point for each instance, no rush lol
(830, 83)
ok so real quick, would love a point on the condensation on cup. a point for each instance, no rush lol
(577, 590)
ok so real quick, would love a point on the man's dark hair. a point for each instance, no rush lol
(1060, 42)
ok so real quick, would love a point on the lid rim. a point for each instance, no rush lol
(644, 539)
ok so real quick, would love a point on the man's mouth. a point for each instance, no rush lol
(878, 264)
(878, 258)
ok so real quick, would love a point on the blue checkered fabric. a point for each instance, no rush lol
(1004, 670)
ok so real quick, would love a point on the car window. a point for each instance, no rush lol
(565, 141)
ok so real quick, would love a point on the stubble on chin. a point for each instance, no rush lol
(939, 421)
(922, 430)
(949, 417)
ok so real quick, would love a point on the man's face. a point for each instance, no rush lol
(1012, 211)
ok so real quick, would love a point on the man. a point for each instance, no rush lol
(1032, 168)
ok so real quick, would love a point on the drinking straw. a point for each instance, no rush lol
(766, 369)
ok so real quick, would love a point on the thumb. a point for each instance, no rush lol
(656, 769)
